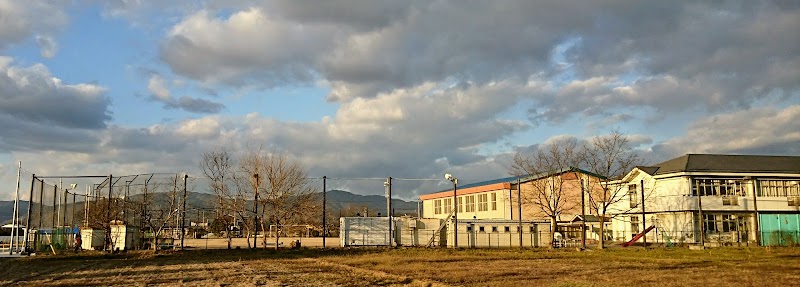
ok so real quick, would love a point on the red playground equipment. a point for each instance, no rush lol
(638, 236)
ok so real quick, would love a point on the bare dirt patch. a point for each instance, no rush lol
(411, 267)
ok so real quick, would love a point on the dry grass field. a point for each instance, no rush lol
(413, 267)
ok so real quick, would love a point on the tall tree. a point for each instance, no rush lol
(219, 167)
(284, 191)
(610, 156)
(550, 192)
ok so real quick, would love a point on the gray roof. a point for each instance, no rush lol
(727, 163)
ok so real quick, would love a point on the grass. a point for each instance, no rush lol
(414, 267)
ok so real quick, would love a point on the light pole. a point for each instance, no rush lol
(388, 185)
(455, 207)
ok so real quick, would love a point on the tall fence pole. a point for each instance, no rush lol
(108, 214)
(28, 220)
(324, 210)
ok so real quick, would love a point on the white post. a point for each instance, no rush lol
(15, 215)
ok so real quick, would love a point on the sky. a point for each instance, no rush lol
(370, 89)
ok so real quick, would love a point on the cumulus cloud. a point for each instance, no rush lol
(766, 130)
(160, 92)
(32, 94)
(21, 20)
(613, 54)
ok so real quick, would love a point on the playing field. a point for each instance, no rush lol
(415, 267)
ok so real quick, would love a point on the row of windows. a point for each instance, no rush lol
(779, 188)
(445, 206)
(470, 228)
(718, 187)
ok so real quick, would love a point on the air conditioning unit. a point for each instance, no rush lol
(730, 200)
(793, 200)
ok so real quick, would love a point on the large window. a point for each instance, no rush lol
(633, 195)
(461, 204)
(437, 206)
(483, 202)
(718, 187)
(470, 203)
(779, 188)
(494, 200)
(448, 208)
(714, 223)
(634, 224)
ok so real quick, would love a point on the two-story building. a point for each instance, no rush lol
(497, 203)
(712, 199)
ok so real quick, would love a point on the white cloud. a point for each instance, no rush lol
(21, 20)
(156, 86)
(766, 130)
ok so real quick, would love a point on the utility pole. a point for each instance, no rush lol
(324, 210)
(389, 207)
(583, 215)
(702, 220)
(183, 210)
(756, 219)
(644, 222)
(255, 214)
(519, 209)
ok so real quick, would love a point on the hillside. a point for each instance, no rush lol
(7, 210)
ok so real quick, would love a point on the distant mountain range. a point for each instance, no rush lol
(339, 203)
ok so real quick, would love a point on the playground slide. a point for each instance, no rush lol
(638, 236)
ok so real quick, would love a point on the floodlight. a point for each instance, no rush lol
(448, 176)
(73, 186)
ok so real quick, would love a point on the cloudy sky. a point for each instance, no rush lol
(409, 89)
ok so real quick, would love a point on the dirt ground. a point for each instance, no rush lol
(222, 243)
(410, 267)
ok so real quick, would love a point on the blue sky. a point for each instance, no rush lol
(408, 89)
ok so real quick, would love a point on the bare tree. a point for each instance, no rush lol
(550, 192)
(284, 191)
(218, 165)
(610, 156)
(159, 206)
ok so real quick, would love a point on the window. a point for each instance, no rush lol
(531, 229)
(437, 206)
(447, 205)
(714, 223)
(469, 228)
(494, 228)
(635, 224)
(729, 222)
(718, 187)
(779, 188)
(494, 200)
(633, 195)
(481, 229)
(460, 205)
(710, 223)
(470, 203)
(507, 229)
(483, 202)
